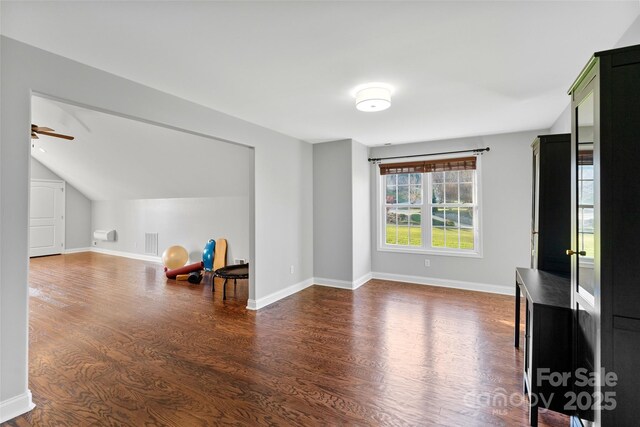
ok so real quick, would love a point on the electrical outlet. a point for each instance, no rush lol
(291, 269)
(427, 263)
(95, 243)
(239, 261)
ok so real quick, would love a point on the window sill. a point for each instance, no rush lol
(407, 250)
(586, 262)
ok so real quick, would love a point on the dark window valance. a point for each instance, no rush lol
(424, 166)
(585, 158)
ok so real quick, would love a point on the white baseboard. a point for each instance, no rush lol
(446, 283)
(76, 250)
(342, 284)
(332, 283)
(15, 406)
(362, 280)
(115, 253)
(277, 296)
(127, 255)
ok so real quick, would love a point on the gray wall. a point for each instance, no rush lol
(361, 202)
(188, 222)
(506, 213)
(77, 209)
(332, 206)
(341, 222)
(282, 188)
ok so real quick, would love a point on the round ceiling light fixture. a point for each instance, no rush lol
(373, 97)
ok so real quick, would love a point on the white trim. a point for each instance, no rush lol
(414, 250)
(361, 281)
(76, 250)
(46, 180)
(426, 206)
(332, 283)
(115, 253)
(586, 262)
(278, 295)
(15, 406)
(446, 283)
(297, 287)
(342, 284)
(128, 255)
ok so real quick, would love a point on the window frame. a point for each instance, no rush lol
(585, 261)
(426, 218)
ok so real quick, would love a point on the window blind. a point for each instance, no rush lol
(585, 158)
(424, 166)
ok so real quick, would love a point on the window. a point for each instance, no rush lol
(585, 202)
(430, 206)
(403, 209)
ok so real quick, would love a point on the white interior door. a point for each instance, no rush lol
(46, 218)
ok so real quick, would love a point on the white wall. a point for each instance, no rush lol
(629, 38)
(361, 202)
(563, 122)
(77, 209)
(281, 219)
(114, 158)
(332, 207)
(506, 214)
(188, 222)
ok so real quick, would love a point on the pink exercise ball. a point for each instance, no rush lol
(175, 257)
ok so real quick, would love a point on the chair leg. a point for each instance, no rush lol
(235, 282)
(224, 290)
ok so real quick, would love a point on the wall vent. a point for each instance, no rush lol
(151, 243)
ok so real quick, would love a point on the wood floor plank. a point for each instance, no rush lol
(113, 343)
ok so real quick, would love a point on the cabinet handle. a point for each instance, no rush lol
(534, 232)
(581, 253)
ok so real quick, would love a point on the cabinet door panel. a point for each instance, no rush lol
(551, 206)
(626, 363)
(626, 190)
(585, 345)
(555, 205)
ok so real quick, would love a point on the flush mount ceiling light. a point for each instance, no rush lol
(373, 97)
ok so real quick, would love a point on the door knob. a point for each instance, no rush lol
(581, 253)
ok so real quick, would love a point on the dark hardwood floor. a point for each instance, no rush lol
(113, 343)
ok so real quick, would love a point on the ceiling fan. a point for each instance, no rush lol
(35, 130)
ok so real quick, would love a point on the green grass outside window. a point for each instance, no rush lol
(411, 236)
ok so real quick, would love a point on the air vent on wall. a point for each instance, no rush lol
(151, 243)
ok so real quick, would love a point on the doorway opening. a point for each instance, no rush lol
(137, 179)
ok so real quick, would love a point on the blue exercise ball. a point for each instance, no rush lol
(207, 255)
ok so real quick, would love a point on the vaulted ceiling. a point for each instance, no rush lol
(459, 68)
(114, 158)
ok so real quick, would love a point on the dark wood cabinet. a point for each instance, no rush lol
(605, 276)
(551, 204)
(547, 338)
(545, 286)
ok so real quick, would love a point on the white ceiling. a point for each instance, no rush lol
(459, 68)
(113, 158)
